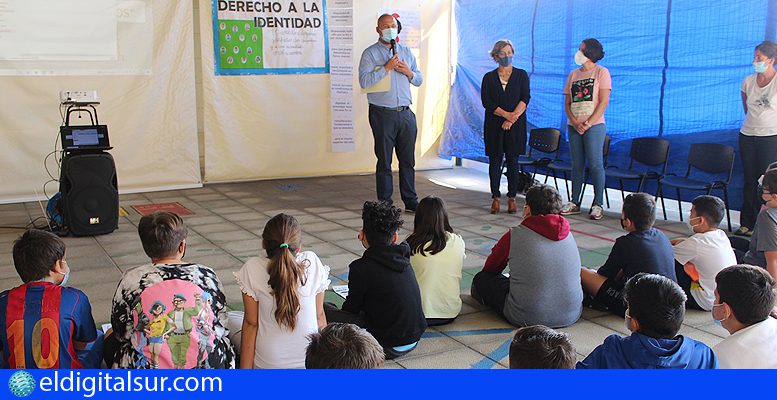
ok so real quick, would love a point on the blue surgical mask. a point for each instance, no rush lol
(389, 34)
(715, 320)
(505, 61)
(759, 66)
(67, 275)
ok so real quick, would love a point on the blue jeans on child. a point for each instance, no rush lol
(92, 355)
(587, 147)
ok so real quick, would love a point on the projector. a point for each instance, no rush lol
(78, 96)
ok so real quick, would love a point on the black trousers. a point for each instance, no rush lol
(394, 130)
(334, 314)
(685, 283)
(740, 246)
(757, 153)
(495, 175)
(491, 289)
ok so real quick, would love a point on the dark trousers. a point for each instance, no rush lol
(394, 129)
(495, 175)
(491, 289)
(740, 246)
(334, 314)
(757, 153)
(685, 283)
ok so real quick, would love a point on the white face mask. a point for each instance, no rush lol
(626, 320)
(690, 225)
(580, 58)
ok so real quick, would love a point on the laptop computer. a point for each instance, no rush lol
(85, 137)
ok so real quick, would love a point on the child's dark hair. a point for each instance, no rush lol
(593, 50)
(640, 208)
(543, 200)
(161, 234)
(35, 252)
(282, 237)
(539, 347)
(748, 290)
(430, 226)
(770, 181)
(657, 303)
(380, 221)
(711, 208)
(343, 346)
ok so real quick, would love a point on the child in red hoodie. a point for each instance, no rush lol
(544, 283)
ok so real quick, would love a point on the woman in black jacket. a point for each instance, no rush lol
(505, 95)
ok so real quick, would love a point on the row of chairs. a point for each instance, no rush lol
(648, 160)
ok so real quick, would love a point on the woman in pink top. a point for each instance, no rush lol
(587, 94)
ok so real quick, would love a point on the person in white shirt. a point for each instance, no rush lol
(758, 135)
(743, 299)
(700, 257)
(283, 295)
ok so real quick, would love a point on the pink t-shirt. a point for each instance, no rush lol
(584, 87)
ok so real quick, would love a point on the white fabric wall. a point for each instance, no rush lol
(258, 127)
(152, 119)
(250, 127)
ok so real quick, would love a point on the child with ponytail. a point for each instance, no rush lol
(283, 295)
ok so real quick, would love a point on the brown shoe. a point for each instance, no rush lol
(495, 206)
(512, 205)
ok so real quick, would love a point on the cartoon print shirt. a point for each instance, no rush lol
(160, 314)
(584, 87)
(761, 117)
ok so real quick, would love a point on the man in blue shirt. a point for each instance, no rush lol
(393, 123)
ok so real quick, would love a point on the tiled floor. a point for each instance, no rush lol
(229, 218)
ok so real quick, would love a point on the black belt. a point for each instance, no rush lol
(400, 108)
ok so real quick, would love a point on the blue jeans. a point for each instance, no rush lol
(587, 147)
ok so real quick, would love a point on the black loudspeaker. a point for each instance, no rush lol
(90, 194)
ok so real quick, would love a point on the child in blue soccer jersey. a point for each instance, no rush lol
(43, 323)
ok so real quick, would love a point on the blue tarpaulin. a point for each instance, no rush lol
(676, 69)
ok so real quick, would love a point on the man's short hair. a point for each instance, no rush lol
(161, 234)
(380, 220)
(640, 208)
(657, 303)
(748, 290)
(539, 347)
(543, 199)
(343, 346)
(711, 208)
(35, 252)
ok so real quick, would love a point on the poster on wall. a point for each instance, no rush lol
(270, 37)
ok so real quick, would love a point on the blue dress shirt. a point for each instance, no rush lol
(371, 71)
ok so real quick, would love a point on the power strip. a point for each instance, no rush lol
(78, 96)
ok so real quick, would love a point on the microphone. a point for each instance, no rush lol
(393, 49)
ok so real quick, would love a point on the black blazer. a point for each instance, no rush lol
(497, 141)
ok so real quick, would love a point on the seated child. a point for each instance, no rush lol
(643, 249)
(743, 299)
(43, 308)
(437, 255)
(700, 257)
(761, 250)
(539, 347)
(541, 253)
(383, 294)
(166, 308)
(283, 296)
(655, 311)
(343, 346)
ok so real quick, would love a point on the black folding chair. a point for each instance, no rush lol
(566, 167)
(712, 158)
(649, 151)
(543, 140)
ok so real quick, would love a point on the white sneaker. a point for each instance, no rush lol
(597, 212)
(570, 209)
